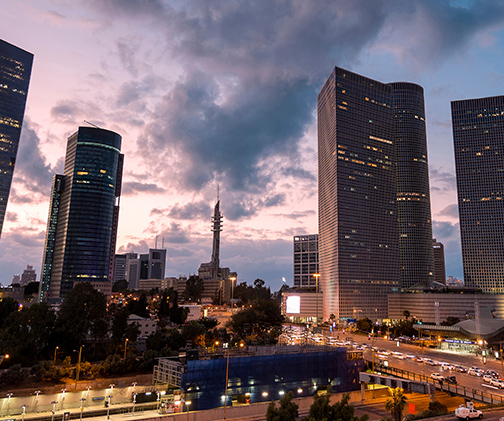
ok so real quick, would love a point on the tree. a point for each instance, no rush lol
(193, 289)
(82, 313)
(261, 292)
(28, 333)
(120, 285)
(7, 306)
(406, 314)
(365, 324)
(288, 410)
(340, 411)
(258, 320)
(31, 288)
(395, 403)
(139, 307)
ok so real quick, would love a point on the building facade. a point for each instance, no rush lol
(439, 262)
(478, 128)
(413, 193)
(15, 72)
(375, 233)
(306, 260)
(83, 211)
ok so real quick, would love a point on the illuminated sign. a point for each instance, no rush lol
(293, 304)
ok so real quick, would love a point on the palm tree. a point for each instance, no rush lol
(395, 403)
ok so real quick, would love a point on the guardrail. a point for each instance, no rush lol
(457, 389)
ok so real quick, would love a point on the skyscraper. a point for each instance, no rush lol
(439, 261)
(372, 155)
(83, 214)
(413, 195)
(478, 130)
(15, 71)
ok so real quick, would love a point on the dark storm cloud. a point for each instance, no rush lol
(65, 110)
(32, 174)
(450, 210)
(133, 187)
(175, 234)
(443, 230)
(191, 211)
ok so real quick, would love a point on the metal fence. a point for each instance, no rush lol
(456, 389)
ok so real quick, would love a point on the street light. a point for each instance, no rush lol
(54, 403)
(36, 400)
(125, 347)
(134, 402)
(232, 279)
(55, 350)
(9, 396)
(317, 276)
(24, 411)
(108, 406)
(3, 357)
(63, 391)
(78, 367)
(187, 408)
(82, 400)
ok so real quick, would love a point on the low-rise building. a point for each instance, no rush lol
(146, 326)
(302, 305)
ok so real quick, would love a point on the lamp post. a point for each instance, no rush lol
(226, 389)
(54, 403)
(78, 367)
(232, 279)
(63, 391)
(24, 411)
(125, 347)
(9, 396)
(3, 357)
(55, 351)
(317, 276)
(108, 406)
(36, 400)
(187, 408)
(82, 400)
(134, 402)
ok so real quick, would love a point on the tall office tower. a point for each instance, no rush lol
(305, 260)
(478, 130)
(119, 267)
(439, 262)
(157, 263)
(82, 214)
(413, 195)
(15, 71)
(371, 147)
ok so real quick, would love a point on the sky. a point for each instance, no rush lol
(224, 93)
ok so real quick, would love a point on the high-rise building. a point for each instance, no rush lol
(371, 146)
(439, 262)
(305, 260)
(413, 195)
(83, 214)
(478, 129)
(28, 275)
(15, 71)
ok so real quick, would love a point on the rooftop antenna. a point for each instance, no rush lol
(94, 125)
(163, 244)
(156, 243)
(218, 193)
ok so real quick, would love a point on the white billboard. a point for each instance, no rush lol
(293, 304)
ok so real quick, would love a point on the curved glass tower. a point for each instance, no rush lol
(413, 196)
(86, 219)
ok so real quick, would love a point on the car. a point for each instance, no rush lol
(487, 378)
(451, 379)
(437, 376)
(460, 369)
(473, 371)
(410, 357)
(497, 383)
(492, 373)
(428, 361)
(467, 412)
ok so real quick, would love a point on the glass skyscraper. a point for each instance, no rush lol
(478, 131)
(82, 221)
(371, 150)
(15, 71)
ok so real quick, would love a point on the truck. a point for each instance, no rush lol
(467, 412)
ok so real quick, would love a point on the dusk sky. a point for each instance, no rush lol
(208, 93)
